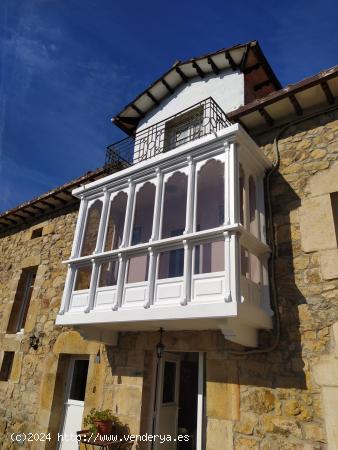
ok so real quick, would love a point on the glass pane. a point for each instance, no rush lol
(143, 216)
(255, 268)
(244, 262)
(108, 273)
(171, 264)
(137, 269)
(92, 228)
(252, 200)
(116, 220)
(22, 300)
(169, 382)
(82, 278)
(209, 257)
(174, 205)
(184, 128)
(210, 195)
(79, 380)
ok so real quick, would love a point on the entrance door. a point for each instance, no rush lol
(74, 404)
(168, 400)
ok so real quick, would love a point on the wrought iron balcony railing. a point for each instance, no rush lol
(192, 123)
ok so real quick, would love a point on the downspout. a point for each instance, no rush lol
(272, 242)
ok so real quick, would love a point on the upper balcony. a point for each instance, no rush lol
(190, 124)
(178, 239)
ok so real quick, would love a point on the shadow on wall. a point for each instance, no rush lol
(284, 366)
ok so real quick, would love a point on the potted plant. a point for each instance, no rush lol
(101, 421)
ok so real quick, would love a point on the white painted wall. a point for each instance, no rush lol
(227, 89)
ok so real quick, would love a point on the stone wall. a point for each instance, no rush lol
(22, 402)
(281, 403)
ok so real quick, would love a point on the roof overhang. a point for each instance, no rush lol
(289, 103)
(245, 58)
(49, 202)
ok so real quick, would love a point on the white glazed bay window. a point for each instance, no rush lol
(177, 241)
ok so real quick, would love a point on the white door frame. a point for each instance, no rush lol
(200, 401)
(200, 395)
(70, 374)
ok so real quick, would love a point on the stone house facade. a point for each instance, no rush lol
(280, 394)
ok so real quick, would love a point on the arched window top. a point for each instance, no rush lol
(118, 197)
(143, 214)
(116, 219)
(176, 178)
(210, 185)
(174, 205)
(146, 186)
(213, 164)
(91, 227)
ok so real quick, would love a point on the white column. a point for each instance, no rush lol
(190, 196)
(187, 272)
(151, 278)
(103, 222)
(233, 183)
(92, 286)
(227, 266)
(227, 190)
(234, 268)
(129, 213)
(120, 281)
(81, 220)
(157, 206)
(67, 292)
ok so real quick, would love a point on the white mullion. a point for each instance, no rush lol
(157, 206)
(103, 223)
(197, 168)
(228, 268)
(70, 277)
(234, 268)
(78, 235)
(129, 214)
(120, 281)
(190, 196)
(187, 272)
(151, 278)
(227, 215)
(92, 286)
(234, 184)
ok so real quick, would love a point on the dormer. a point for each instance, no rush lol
(232, 76)
(191, 100)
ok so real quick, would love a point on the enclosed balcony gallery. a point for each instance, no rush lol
(176, 241)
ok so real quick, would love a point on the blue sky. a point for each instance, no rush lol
(68, 65)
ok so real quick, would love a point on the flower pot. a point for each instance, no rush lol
(104, 426)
